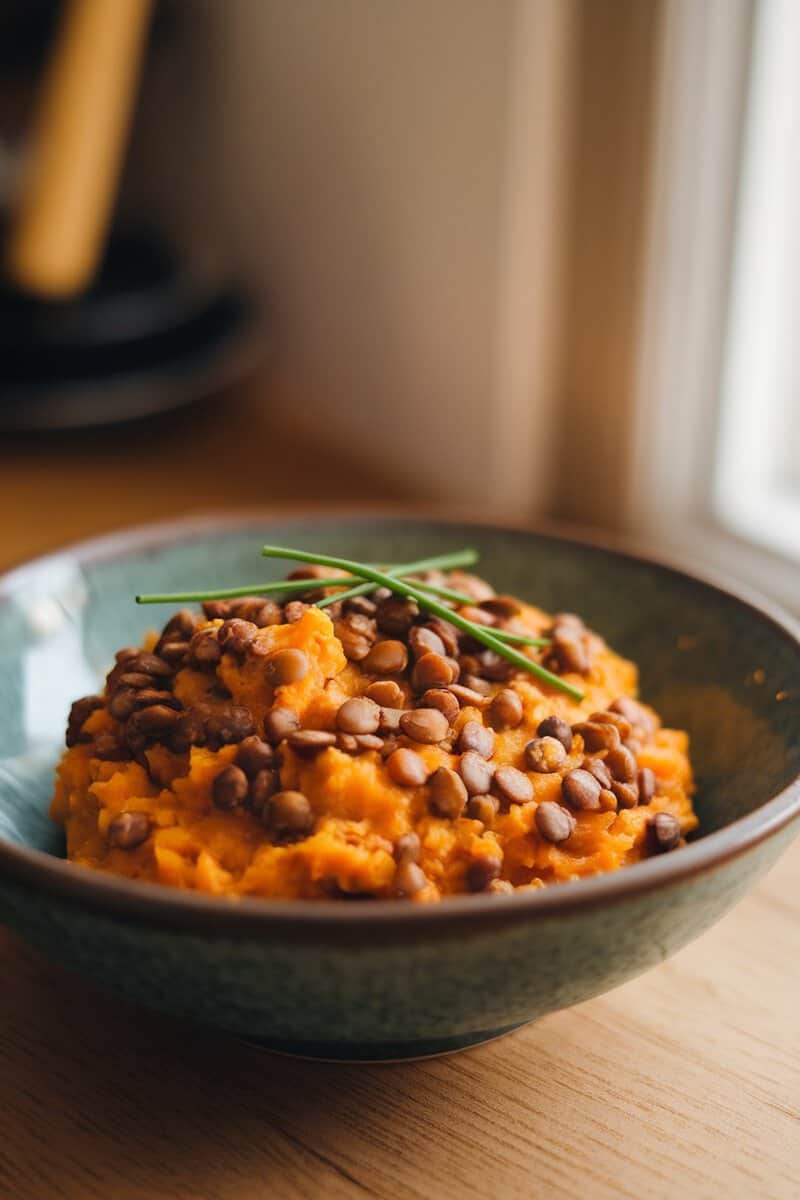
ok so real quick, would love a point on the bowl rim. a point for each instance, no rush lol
(169, 907)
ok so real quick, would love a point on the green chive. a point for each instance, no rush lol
(459, 558)
(479, 632)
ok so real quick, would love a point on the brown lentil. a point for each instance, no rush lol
(664, 832)
(288, 814)
(613, 718)
(261, 612)
(581, 790)
(254, 755)
(568, 651)
(174, 653)
(149, 664)
(424, 725)
(283, 667)
(424, 640)
(505, 710)
(216, 610)
(554, 822)
(361, 605)
(279, 723)
(262, 786)
(646, 781)
(483, 871)
(204, 648)
(232, 724)
(431, 671)
(127, 830)
(385, 692)
(409, 879)
(358, 715)
(608, 801)
(558, 728)
(390, 720)
(294, 611)
(545, 755)
(395, 616)
(308, 742)
(467, 696)
(407, 848)
(406, 768)
(502, 606)
(475, 736)
(597, 736)
(230, 788)
(444, 700)
(598, 768)
(627, 794)
(368, 741)
(79, 714)
(446, 632)
(513, 785)
(236, 635)
(494, 666)
(386, 658)
(355, 645)
(154, 721)
(448, 793)
(188, 730)
(483, 808)
(476, 684)
(622, 764)
(476, 773)
(478, 616)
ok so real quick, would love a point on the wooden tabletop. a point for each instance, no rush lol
(684, 1083)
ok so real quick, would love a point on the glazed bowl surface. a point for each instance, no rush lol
(378, 979)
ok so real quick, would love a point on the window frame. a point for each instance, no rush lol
(703, 68)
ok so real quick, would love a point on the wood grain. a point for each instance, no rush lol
(684, 1083)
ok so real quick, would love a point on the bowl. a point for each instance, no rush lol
(382, 979)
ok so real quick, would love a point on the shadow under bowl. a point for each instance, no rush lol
(378, 979)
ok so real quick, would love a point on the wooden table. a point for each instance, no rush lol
(683, 1084)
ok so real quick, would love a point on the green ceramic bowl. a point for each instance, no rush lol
(390, 979)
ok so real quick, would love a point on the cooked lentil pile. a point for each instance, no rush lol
(367, 749)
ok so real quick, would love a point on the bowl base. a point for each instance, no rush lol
(379, 1052)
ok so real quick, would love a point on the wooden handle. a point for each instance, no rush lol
(81, 129)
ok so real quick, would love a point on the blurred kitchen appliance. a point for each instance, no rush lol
(100, 324)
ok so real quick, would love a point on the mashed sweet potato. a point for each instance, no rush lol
(280, 751)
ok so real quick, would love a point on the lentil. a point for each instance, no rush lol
(127, 830)
(448, 793)
(288, 814)
(406, 768)
(545, 755)
(581, 790)
(283, 667)
(424, 724)
(230, 788)
(554, 822)
(664, 832)
(558, 728)
(476, 773)
(477, 737)
(505, 710)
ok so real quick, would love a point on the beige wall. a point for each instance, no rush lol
(384, 173)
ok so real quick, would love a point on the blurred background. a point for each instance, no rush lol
(528, 258)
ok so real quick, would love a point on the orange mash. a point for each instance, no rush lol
(367, 750)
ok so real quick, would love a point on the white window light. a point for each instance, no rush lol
(757, 478)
